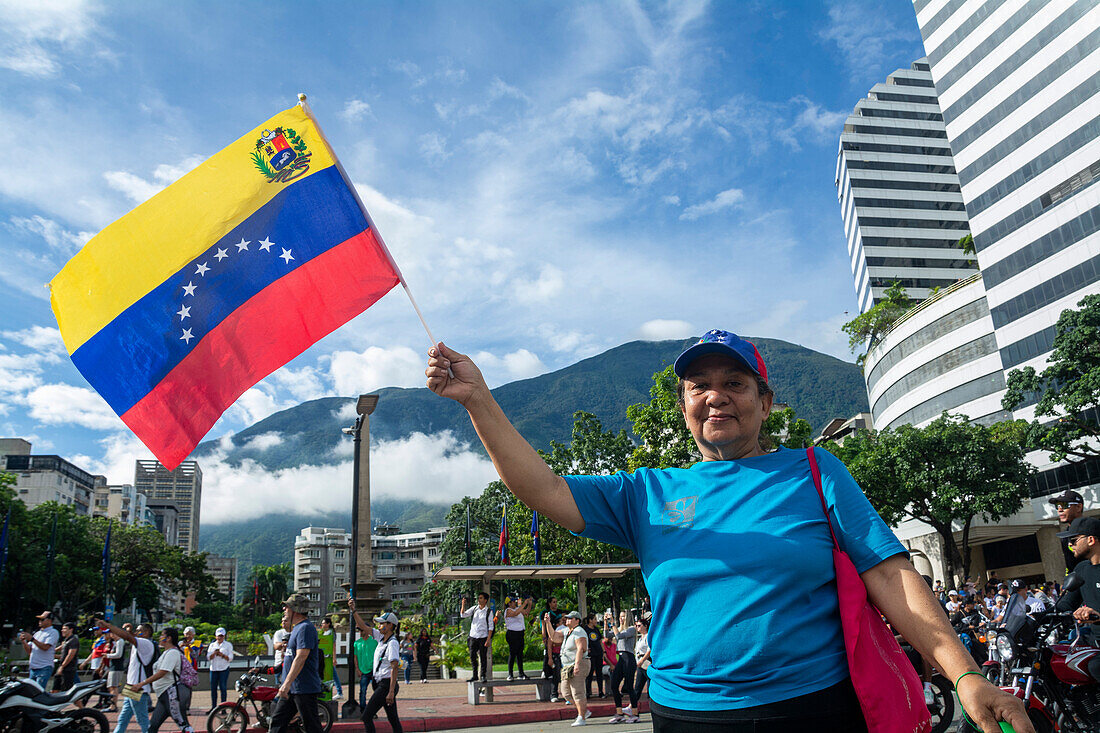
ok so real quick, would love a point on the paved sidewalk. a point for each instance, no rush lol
(441, 705)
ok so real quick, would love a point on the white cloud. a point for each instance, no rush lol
(56, 236)
(33, 35)
(671, 200)
(723, 200)
(302, 384)
(433, 147)
(40, 338)
(355, 110)
(20, 374)
(264, 441)
(519, 364)
(434, 468)
(254, 405)
(135, 188)
(663, 330)
(865, 39)
(356, 373)
(548, 285)
(64, 404)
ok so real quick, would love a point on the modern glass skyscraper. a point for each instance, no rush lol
(1019, 86)
(899, 193)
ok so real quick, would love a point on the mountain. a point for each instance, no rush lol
(817, 386)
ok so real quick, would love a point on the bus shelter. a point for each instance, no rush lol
(485, 574)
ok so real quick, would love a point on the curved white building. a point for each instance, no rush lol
(942, 355)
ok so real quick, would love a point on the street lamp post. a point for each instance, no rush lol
(360, 588)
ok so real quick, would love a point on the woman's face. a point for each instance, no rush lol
(622, 618)
(723, 408)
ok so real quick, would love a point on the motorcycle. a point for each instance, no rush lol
(1051, 677)
(232, 717)
(941, 709)
(26, 708)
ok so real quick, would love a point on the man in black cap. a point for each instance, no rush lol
(1083, 536)
(1069, 506)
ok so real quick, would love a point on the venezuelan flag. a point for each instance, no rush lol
(177, 308)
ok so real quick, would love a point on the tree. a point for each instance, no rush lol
(1068, 390)
(272, 583)
(782, 427)
(666, 441)
(867, 328)
(945, 475)
(966, 244)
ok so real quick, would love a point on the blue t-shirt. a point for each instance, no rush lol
(303, 635)
(737, 555)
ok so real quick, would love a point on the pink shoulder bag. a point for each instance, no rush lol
(888, 688)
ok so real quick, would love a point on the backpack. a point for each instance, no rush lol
(188, 677)
(320, 663)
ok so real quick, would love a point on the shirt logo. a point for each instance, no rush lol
(681, 513)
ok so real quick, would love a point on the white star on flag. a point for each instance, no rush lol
(286, 256)
(184, 312)
(186, 337)
(189, 289)
(242, 246)
(265, 244)
(202, 269)
(221, 255)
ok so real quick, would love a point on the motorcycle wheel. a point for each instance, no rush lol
(942, 708)
(86, 720)
(325, 715)
(227, 718)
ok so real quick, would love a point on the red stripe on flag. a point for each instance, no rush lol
(273, 327)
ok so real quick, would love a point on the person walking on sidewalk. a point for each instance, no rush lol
(41, 646)
(481, 633)
(622, 675)
(424, 654)
(574, 664)
(364, 656)
(387, 660)
(173, 698)
(595, 655)
(301, 679)
(139, 667)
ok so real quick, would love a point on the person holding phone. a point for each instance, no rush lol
(574, 664)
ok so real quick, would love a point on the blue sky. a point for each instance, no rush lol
(553, 178)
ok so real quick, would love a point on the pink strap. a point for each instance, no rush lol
(816, 473)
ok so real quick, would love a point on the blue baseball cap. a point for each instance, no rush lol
(722, 342)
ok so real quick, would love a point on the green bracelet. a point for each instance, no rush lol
(965, 716)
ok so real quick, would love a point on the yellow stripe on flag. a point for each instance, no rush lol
(146, 246)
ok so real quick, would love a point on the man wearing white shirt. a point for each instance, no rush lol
(219, 654)
(140, 668)
(481, 628)
(41, 646)
(278, 642)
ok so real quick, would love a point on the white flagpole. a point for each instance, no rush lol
(378, 235)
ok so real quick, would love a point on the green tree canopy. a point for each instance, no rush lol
(272, 583)
(867, 328)
(1067, 391)
(666, 441)
(945, 475)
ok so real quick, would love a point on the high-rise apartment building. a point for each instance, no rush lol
(322, 565)
(124, 503)
(899, 193)
(1019, 85)
(404, 562)
(224, 570)
(182, 488)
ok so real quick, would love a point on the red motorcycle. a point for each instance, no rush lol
(232, 717)
(1051, 677)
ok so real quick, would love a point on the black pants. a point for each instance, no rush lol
(596, 673)
(378, 701)
(832, 710)
(479, 649)
(515, 650)
(423, 661)
(553, 671)
(172, 703)
(622, 679)
(641, 677)
(305, 704)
